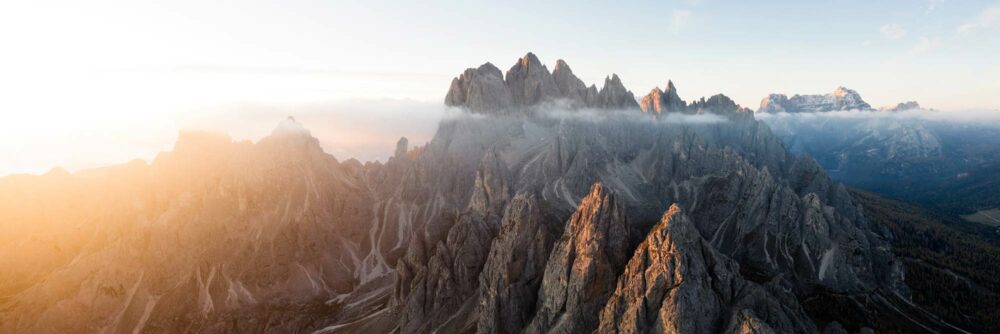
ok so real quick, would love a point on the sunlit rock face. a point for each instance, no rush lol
(207, 237)
(663, 101)
(677, 283)
(580, 273)
(525, 213)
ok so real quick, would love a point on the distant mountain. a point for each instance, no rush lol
(840, 99)
(901, 153)
(548, 206)
(903, 106)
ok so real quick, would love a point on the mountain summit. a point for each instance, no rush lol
(840, 99)
(528, 84)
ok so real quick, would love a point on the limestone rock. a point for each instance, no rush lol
(572, 89)
(580, 273)
(677, 283)
(663, 101)
(481, 89)
(530, 82)
(614, 95)
(513, 271)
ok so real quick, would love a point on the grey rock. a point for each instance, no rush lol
(402, 146)
(442, 294)
(481, 89)
(529, 85)
(745, 322)
(663, 101)
(530, 82)
(614, 95)
(572, 89)
(676, 282)
(513, 271)
(580, 273)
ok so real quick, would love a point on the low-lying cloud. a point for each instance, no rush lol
(979, 116)
(561, 110)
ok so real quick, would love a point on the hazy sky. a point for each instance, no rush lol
(85, 83)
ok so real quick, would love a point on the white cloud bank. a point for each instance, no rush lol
(981, 117)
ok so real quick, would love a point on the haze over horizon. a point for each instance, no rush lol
(90, 84)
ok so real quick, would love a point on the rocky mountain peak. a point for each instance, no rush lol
(581, 270)
(530, 60)
(291, 136)
(290, 127)
(902, 106)
(841, 99)
(402, 146)
(663, 101)
(481, 89)
(572, 88)
(676, 282)
(842, 91)
(561, 65)
(718, 103)
(614, 95)
(529, 83)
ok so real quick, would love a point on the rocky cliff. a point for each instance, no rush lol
(528, 84)
(677, 283)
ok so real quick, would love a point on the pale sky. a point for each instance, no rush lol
(88, 83)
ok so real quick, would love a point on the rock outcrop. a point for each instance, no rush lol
(481, 89)
(614, 95)
(580, 273)
(514, 268)
(574, 90)
(663, 101)
(530, 82)
(676, 282)
(442, 293)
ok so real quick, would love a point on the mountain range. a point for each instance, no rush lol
(546, 206)
(920, 155)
